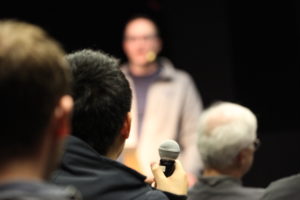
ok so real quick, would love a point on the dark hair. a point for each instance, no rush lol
(142, 16)
(33, 76)
(102, 98)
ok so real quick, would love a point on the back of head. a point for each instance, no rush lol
(102, 98)
(33, 76)
(224, 130)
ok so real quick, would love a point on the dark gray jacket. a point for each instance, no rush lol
(286, 189)
(100, 178)
(223, 188)
(25, 190)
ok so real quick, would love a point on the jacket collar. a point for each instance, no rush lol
(216, 180)
(167, 73)
(79, 154)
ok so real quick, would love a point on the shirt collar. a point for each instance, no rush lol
(167, 72)
(215, 180)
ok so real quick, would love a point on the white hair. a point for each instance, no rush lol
(224, 130)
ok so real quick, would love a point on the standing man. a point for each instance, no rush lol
(35, 111)
(166, 103)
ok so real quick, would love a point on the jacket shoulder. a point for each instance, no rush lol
(285, 188)
(183, 77)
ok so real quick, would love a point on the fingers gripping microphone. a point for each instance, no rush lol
(168, 151)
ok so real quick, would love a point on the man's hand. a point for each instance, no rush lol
(150, 180)
(191, 180)
(177, 183)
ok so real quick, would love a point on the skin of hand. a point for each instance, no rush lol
(177, 183)
(191, 180)
(150, 180)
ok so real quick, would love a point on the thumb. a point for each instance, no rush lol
(149, 180)
(178, 167)
(157, 172)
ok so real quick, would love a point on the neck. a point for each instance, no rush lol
(22, 169)
(116, 148)
(112, 155)
(143, 70)
(215, 172)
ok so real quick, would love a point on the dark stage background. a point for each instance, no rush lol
(235, 50)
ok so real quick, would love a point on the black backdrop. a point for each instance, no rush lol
(235, 50)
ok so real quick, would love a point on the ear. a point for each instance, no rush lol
(241, 158)
(126, 126)
(159, 44)
(125, 45)
(62, 116)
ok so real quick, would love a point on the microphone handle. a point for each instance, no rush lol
(168, 166)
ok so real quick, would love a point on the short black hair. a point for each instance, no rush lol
(102, 98)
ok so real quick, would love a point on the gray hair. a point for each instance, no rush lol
(224, 130)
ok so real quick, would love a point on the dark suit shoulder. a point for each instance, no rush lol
(285, 188)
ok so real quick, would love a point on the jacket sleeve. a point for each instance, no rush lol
(187, 136)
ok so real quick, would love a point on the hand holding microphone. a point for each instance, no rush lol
(173, 178)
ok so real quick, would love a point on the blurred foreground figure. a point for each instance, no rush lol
(227, 142)
(101, 125)
(35, 112)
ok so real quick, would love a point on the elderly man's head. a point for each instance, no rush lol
(227, 136)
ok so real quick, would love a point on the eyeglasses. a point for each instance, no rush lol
(146, 38)
(256, 143)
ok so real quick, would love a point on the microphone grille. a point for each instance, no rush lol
(169, 149)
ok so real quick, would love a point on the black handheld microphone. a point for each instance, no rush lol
(168, 151)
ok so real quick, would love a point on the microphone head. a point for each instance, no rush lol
(151, 56)
(169, 150)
